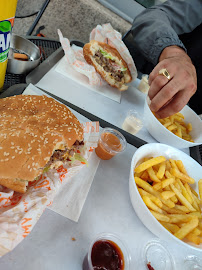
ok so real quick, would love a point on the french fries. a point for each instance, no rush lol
(167, 194)
(161, 170)
(184, 191)
(160, 217)
(181, 176)
(186, 229)
(149, 163)
(173, 228)
(164, 186)
(175, 124)
(152, 175)
(167, 182)
(200, 189)
(152, 197)
(152, 205)
(180, 166)
(194, 238)
(182, 199)
(182, 208)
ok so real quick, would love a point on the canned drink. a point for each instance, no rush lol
(7, 15)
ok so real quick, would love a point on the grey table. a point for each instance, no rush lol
(107, 209)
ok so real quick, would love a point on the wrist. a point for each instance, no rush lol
(173, 51)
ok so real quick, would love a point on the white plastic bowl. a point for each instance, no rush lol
(193, 168)
(163, 135)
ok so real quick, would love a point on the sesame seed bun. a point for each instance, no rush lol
(89, 51)
(15, 184)
(31, 129)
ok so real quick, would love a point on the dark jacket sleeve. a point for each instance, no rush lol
(159, 26)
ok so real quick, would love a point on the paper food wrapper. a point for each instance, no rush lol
(20, 212)
(104, 33)
(144, 84)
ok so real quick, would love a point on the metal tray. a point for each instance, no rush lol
(52, 52)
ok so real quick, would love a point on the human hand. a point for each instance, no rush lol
(170, 96)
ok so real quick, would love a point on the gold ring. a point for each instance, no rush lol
(165, 73)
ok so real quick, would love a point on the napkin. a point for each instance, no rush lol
(20, 212)
(105, 90)
(70, 199)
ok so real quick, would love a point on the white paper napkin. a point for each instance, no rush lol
(70, 199)
(105, 90)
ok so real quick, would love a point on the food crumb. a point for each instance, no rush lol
(73, 239)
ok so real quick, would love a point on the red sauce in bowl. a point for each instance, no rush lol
(106, 255)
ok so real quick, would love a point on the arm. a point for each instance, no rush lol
(156, 34)
(159, 26)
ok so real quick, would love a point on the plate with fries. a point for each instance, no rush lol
(166, 192)
(181, 130)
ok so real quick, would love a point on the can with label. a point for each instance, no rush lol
(7, 15)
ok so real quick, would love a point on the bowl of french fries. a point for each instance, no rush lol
(166, 192)
(181, 130)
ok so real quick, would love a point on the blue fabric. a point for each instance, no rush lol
(159, 26)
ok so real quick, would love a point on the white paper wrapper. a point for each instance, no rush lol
(76, 60)
(20, 212)
(104, 33)
(67, 71)
(144, 85)
(71, 197)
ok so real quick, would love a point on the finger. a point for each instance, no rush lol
(163, 64)
(157, 84)
(166, 94)
(155, 72)
(175, 105)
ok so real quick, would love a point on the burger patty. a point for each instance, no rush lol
(60, 155)
(108, 66)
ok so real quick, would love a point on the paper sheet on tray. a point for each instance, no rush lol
(105, 90)
(70, 199)
(20, 212)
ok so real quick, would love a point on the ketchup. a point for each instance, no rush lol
(149, 266)
(108, 146)
(106, 255)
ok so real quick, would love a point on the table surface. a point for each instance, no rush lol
(107, 209)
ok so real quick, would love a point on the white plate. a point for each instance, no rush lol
(194, 169)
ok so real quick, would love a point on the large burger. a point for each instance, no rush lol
(36, 133)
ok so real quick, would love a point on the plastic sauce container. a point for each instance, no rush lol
(111, 142)
(157, 256)
(132, 123)
(107, 252)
